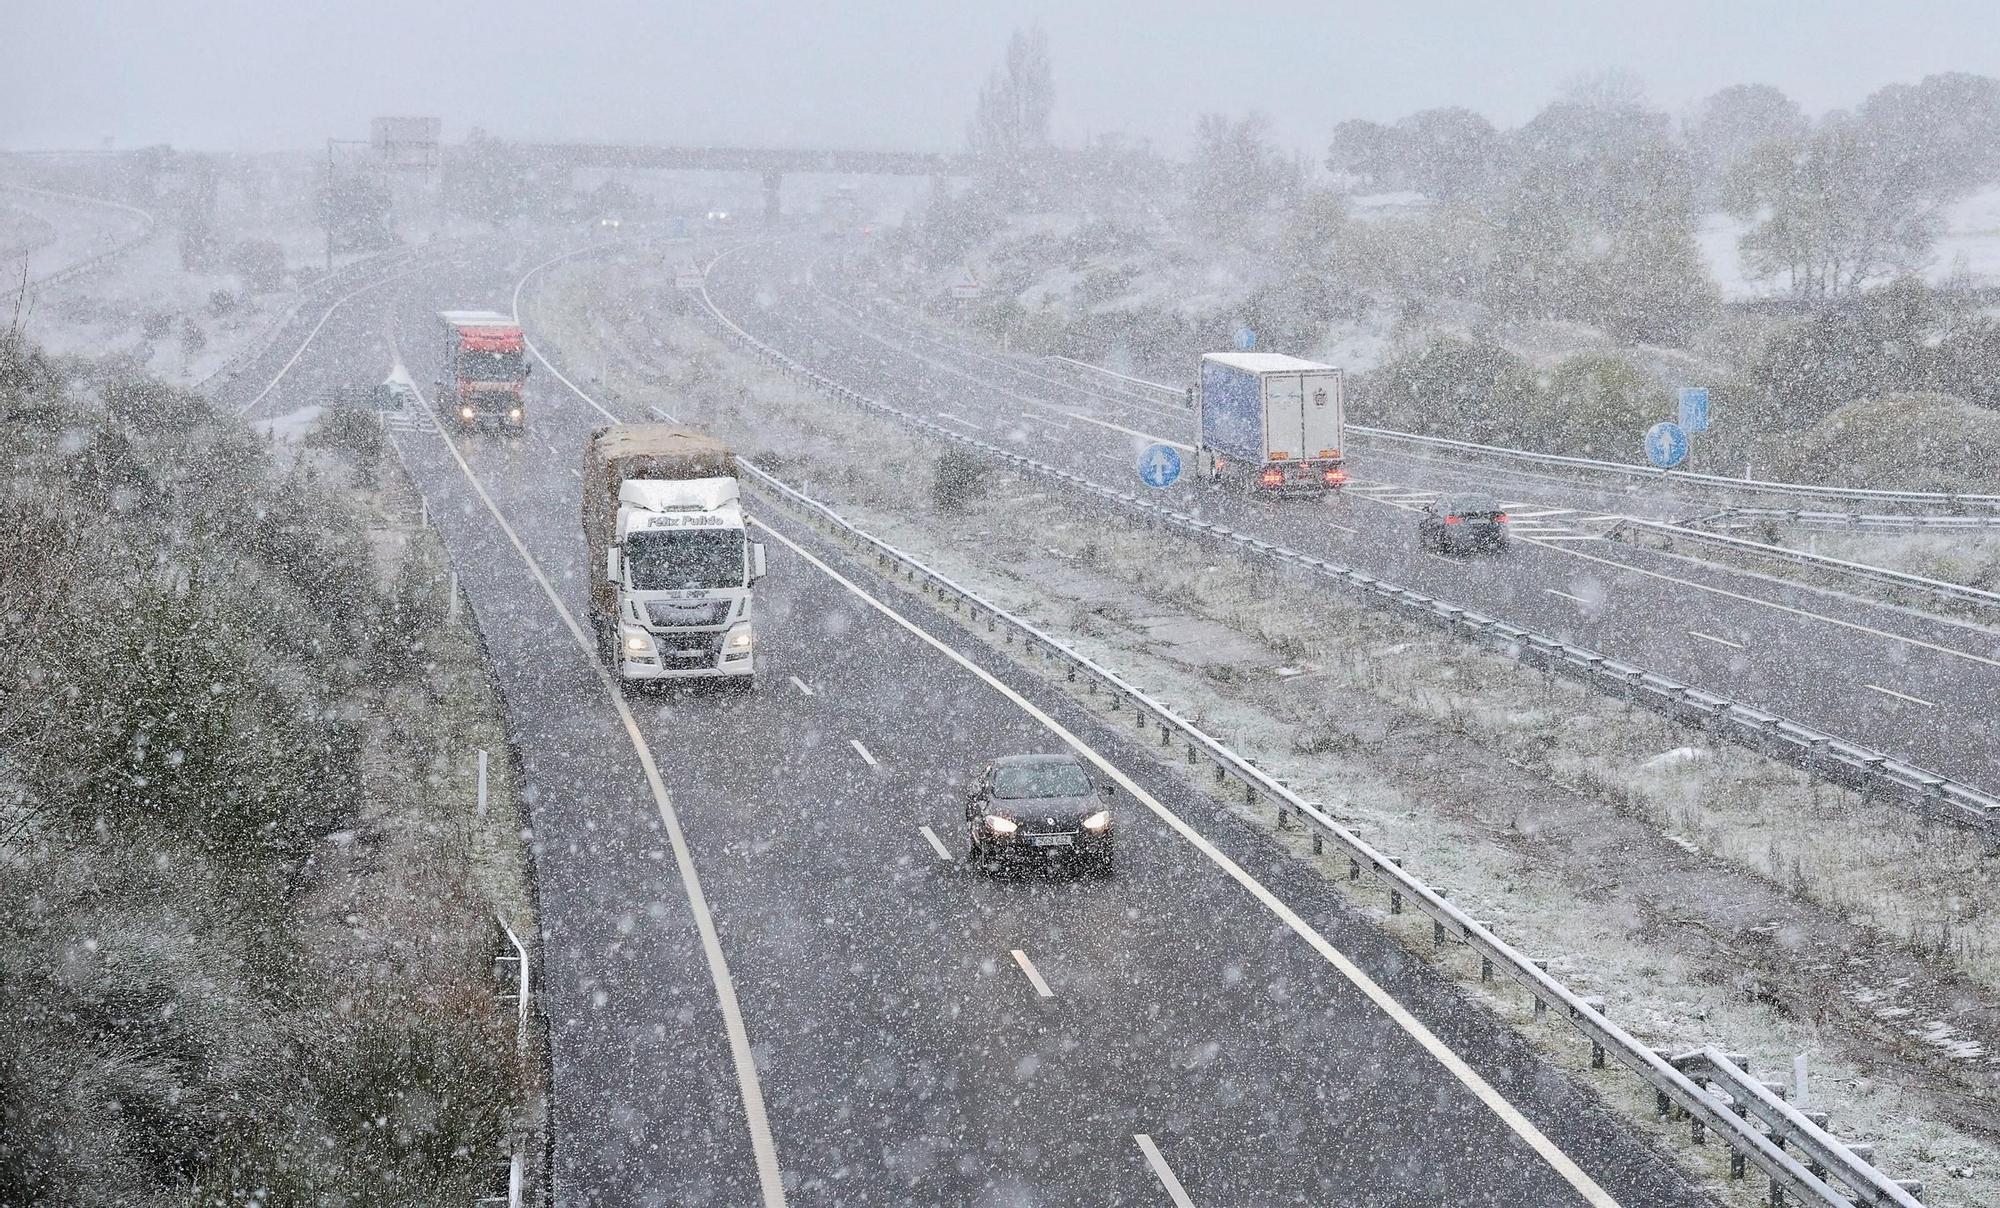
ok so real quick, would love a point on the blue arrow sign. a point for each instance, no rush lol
(1694, 409)
(1666, 445)
(1246, 339)
(1159, 466)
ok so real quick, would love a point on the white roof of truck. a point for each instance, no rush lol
(1266, 362)
(477, 318)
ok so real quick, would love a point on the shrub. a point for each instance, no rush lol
(261, 263)
(958, 478)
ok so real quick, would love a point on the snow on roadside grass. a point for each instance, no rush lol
(1071, 576)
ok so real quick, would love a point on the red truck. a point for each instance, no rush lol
(485, 364)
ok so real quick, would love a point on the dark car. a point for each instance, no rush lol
(1040, 808)
(1461, 522)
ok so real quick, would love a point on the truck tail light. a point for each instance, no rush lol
(1278, 455)
(1335, 477)
(1499, 517)
(1272, 477)
(1454, 520)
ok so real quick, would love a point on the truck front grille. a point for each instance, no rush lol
(694, 613)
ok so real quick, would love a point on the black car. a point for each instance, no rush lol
(1040, 808)
(1461, 522)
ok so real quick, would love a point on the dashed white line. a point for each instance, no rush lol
(1709, 637)
(1543, 512)
(1915, 700)
(863, 752)
(937, 845)
(1565, 595)
(1564, 1166)
(1175, 1192)
(1034, 974)
(801, 685)
(949, 418)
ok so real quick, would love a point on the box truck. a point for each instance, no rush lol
(485, 364)
(671, 563)
(1271, 424)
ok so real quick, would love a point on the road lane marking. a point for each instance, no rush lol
(1455, 1065)
(1175, 1192)
(312, 335)
(801, 685)
(769, 1176)
(1105, 423)
(1034, 974)
(1709, 637)
(937, 845)
(1915, 700)
(949, 418)
(863, 752)
(1565, 595)
(1784, 608)
(1534, 515)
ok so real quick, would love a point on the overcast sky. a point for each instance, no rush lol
(229, 74)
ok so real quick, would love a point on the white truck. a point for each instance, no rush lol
(1271, 424)
(672, 565)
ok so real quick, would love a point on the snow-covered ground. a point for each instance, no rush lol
(1969, 246)
(53, 232)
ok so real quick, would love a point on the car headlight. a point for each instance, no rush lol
(999, 825)
(740, 639)
(638, 641)
(1097, 821)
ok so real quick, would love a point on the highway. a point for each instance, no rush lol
(75, 230)
(1909, 683)
(770, 977)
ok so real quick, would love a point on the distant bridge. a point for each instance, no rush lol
(772, 163)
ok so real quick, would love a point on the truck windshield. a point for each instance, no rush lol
(482, 366)
(677, 559)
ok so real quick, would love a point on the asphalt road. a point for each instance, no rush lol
(902, 1053)
(1911, 684)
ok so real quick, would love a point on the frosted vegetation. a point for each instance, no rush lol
(1543, 286)
(242, 953)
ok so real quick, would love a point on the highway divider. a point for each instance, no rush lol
(1874, 773)
(1631, 528)
(1709, 1090)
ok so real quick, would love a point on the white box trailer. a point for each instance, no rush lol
(1271, 423)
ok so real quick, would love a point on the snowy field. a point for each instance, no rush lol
(1969, 246)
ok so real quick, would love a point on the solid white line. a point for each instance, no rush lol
(863, 752)
(1175, 1192)
(1034, 975)
(1534, 515)
(801, 685)
(949, 418)
(343, 300)
(936, 844)
(1784, 608)
(1058, 425)
(1564, 536)
(1105, 423)
(514, 306)
(1565, 595)
(1413, 497)
(1696, 633)
(1455, 1065)
(763, 1147)
(1915, 700)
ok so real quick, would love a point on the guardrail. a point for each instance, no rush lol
(1879, 574)
(1833, 1175)
(517, 1161)
(1820, 519)
(102, 258)
(1875, 773)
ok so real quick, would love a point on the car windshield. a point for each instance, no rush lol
(676, 559)
(1017, 781)
(1471, 505)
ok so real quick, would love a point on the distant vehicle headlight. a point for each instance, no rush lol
(515, 415)
(467, 413)
(1097, 821)
(999, 825)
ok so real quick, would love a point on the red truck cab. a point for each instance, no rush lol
(484, 368)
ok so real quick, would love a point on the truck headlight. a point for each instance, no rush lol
(515, 415)
(467, 413)
(637, 641)
(739, 639)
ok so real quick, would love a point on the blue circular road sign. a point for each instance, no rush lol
(1666, 444)
(1246, 339)
(1159, 466)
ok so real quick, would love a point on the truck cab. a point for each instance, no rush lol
(484, 370)
(683, 566)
